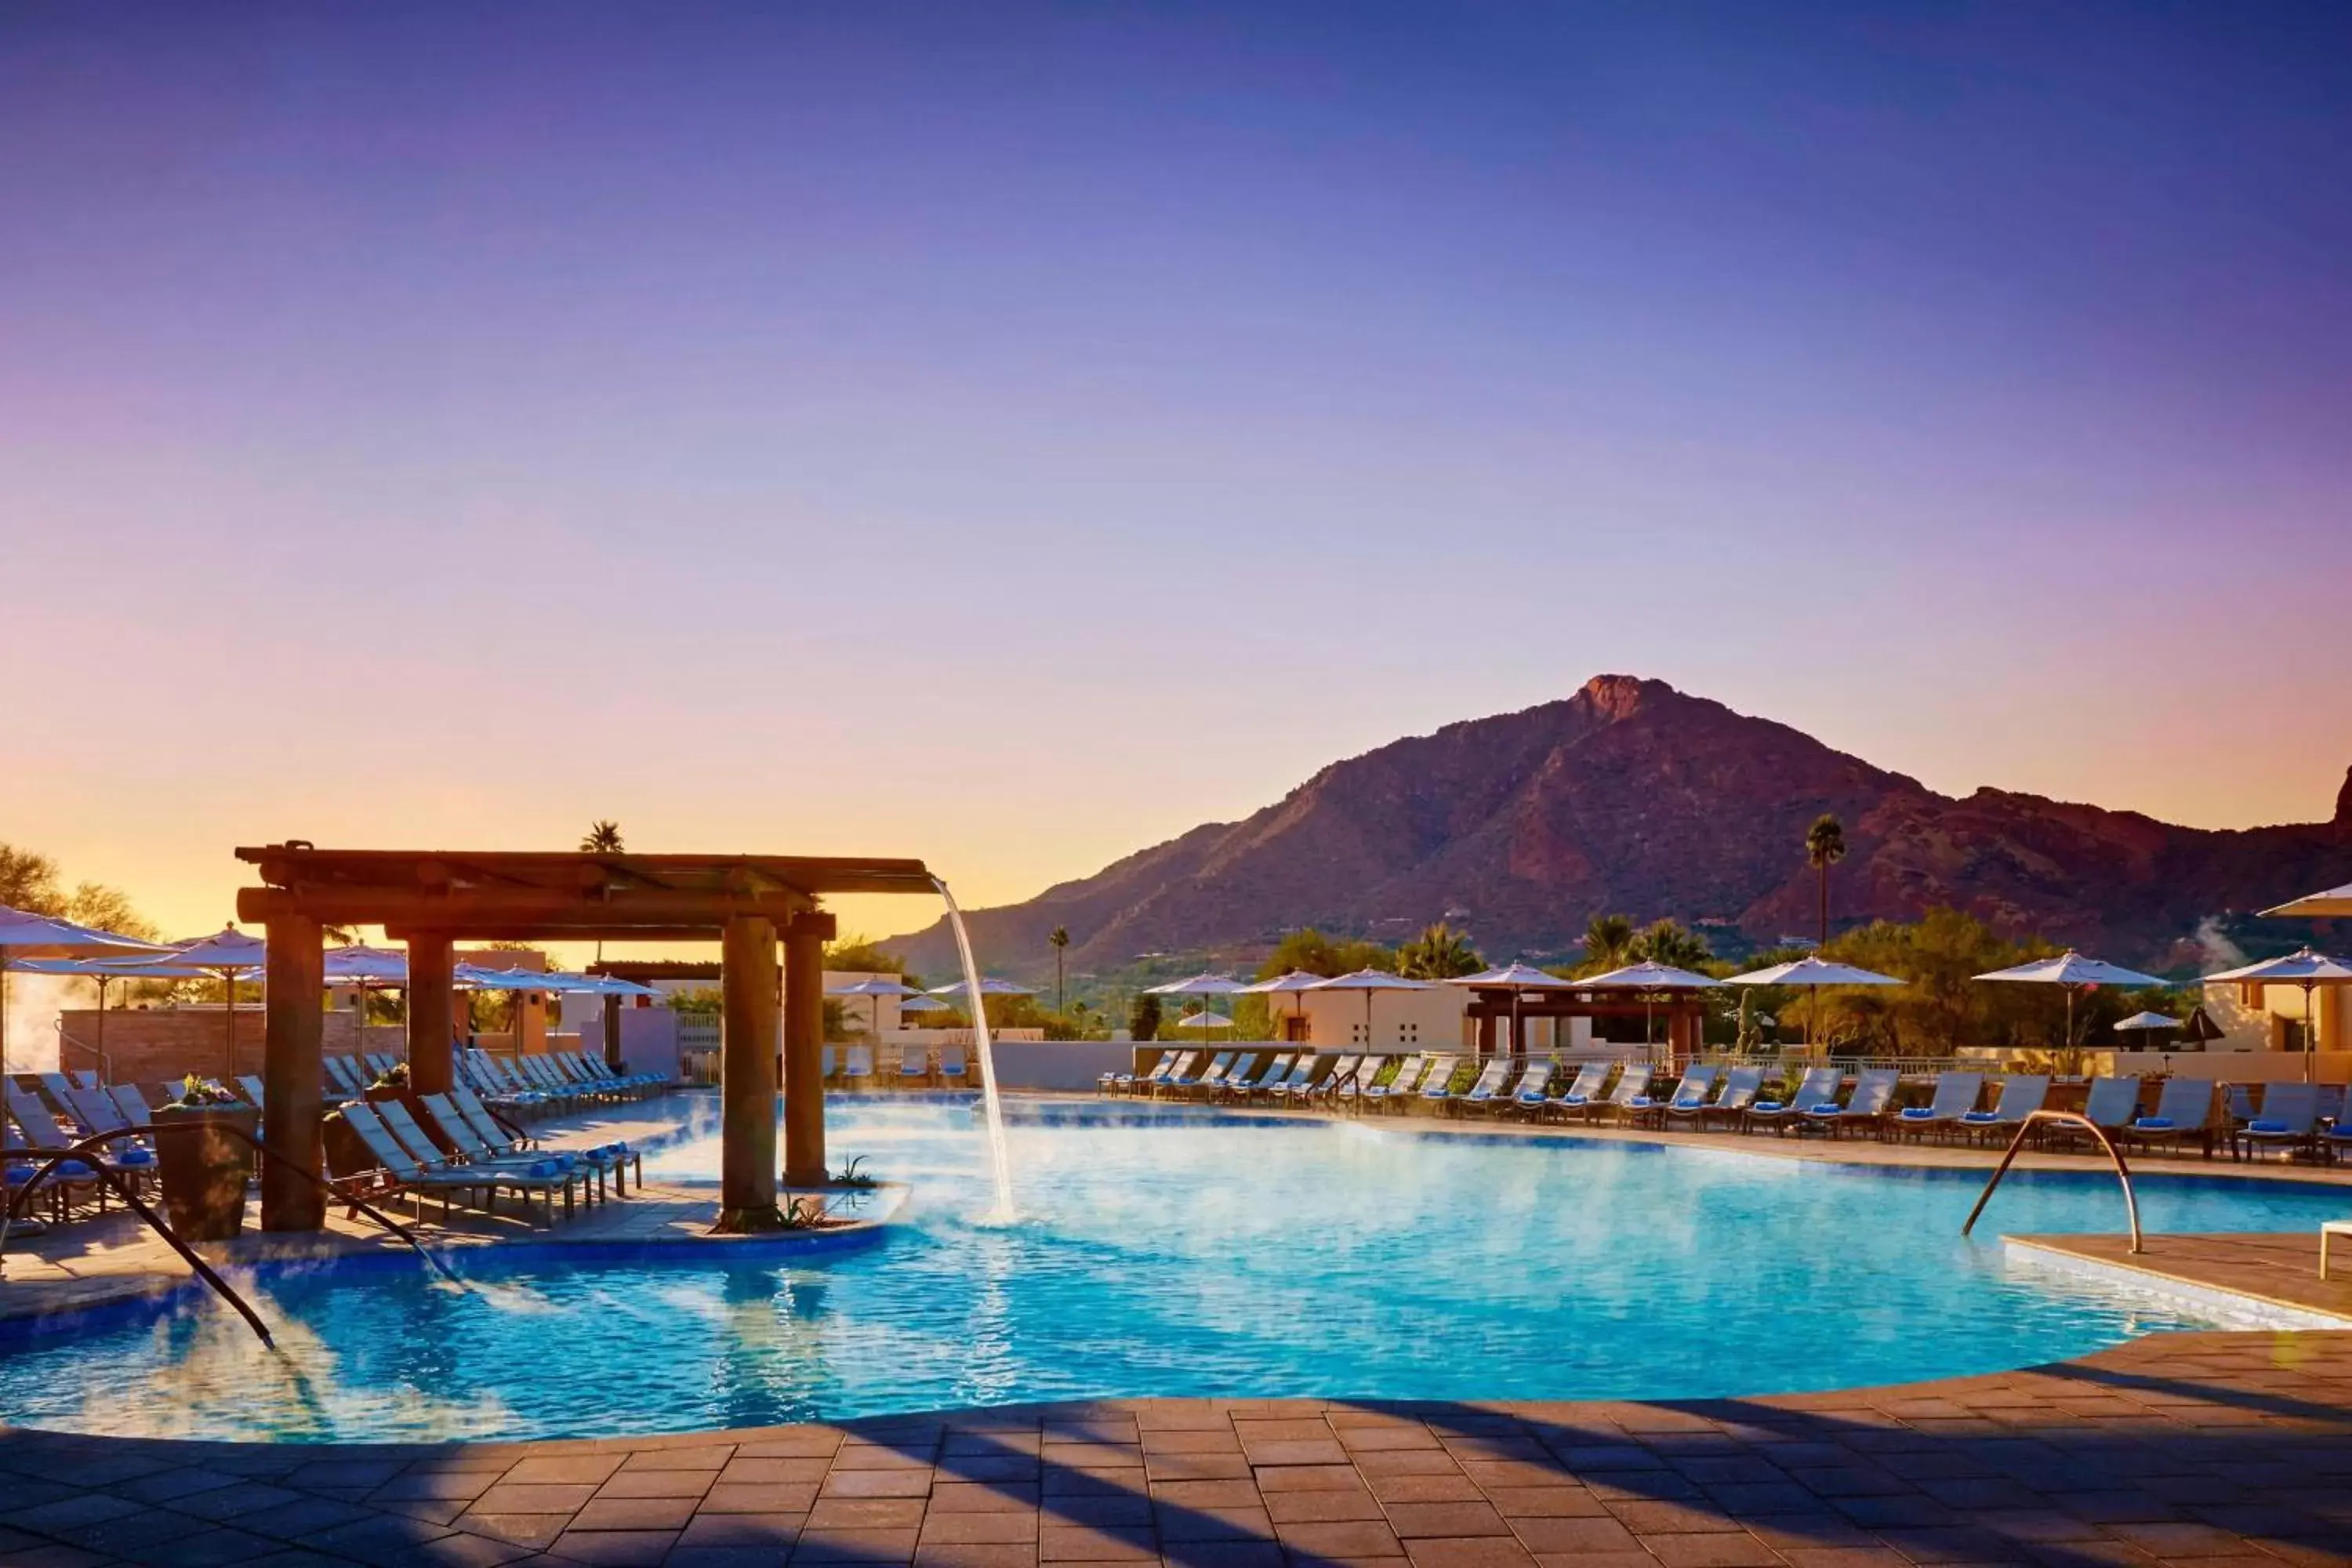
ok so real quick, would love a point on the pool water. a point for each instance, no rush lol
(1167, 1252)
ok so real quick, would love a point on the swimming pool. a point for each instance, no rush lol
(1167, 1252)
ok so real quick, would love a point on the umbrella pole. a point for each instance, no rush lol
(228, 1011)
(3, 1014)
(104, 1075)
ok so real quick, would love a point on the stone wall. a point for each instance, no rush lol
(163, 1045)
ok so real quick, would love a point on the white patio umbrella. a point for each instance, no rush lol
(1812, 974)
(231, 954)
(2302, 968)
(1292, 984)
(877, 987)
(1517, 979)
(2335, 903)
(1205, 1019)
(1198, 985)
(24, 934)
(365, 969)
(1650, 977)
(922, 1004)
(2074, 972)
(1371, 982)
(2145, 1023)
(989, 986)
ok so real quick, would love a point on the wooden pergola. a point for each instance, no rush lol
(1502, 1025)
(434, 900)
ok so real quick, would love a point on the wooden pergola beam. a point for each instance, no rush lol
(470, 912)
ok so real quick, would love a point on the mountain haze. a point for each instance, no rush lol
(1631, 797)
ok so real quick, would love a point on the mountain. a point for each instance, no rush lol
(1631, 797)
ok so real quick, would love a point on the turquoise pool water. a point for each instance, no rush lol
(1169, 1253)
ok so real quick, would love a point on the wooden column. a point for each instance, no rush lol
(293, 1036)
(432, 1012)
(613, 1005)
(747, 1133)
(805, 940)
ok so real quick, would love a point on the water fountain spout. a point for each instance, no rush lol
(991, 1105)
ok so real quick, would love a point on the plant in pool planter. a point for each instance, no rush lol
(394, 1077)
(195, 1093)
(852, 1176)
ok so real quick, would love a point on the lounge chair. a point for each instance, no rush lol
(2288, 1120)
(1343, 1072)
(2109, 1105)
(1528, 1094)
(475, 1147)
(1437, 1087)
(2184, 1109)
(1236, 1086)
(20, 1164)
(914, 1062)
(1582, 1091)
(1219, 1066)
(1406, 1079)
(1633, 1087)
(2022, 1094)
(132, 1104)
(1120, 1082)
(1956, 1097)
(338, 1077)
(1302, 1074)
(1690, 1094)
(1318, 1082)
(1873, 1092)
(1187, 1073)
(1730, 1102)
(44, 1137)
(250, 1086)
(1818, 1087)
(952, 1067)
(1488, 1090)
(408, 1169)
(859, 1064)
(95, 1111)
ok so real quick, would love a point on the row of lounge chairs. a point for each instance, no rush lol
(461, 1149)
(2292, 1117)
(917, 1065)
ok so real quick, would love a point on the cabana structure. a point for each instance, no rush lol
(434, 900)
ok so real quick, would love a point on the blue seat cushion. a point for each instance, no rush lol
(2154, 1123)
(1979, 1116)
(1826, 1108)
(1770, 1105)
(135, 1157)
(1917, 1112)
(2266, 1127)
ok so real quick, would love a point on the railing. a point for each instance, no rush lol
(2064, 1118)
(122, 1189)
(96, 1053)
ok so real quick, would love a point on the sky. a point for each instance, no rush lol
(1012, 435)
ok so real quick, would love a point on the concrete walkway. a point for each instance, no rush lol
(2222, 1450)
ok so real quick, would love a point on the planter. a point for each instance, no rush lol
(203, 1166)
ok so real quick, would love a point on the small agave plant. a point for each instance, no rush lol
(201, 1091)
(852, 1176)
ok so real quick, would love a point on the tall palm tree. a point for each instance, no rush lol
(1060, 937)
(1825, 847)
(1608, 942)
(603, 838)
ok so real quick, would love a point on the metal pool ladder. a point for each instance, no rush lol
(2066, 1119)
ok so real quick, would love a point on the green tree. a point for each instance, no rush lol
(862, 955)
(1667, 941)
(1059, 937)
(1824, 847)
(1608, 944)
(603, 838)
(1439, 952)
(1312, 952)
(1143, 1018)
(29, 881)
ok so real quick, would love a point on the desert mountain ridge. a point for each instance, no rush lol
(1631, 797)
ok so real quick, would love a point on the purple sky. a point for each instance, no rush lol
(1012, 436)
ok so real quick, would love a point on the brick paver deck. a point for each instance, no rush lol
(2214, 1450)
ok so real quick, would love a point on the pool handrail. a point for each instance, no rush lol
(2077, 1121)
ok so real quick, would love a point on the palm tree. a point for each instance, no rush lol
(1439, 952)
(1608, 942)
(603, 838)
(1825, 847)
(1060, 937)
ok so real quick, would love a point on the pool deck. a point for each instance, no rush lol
(2277, 1269)
(2226, 1450)
(112, 1259)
